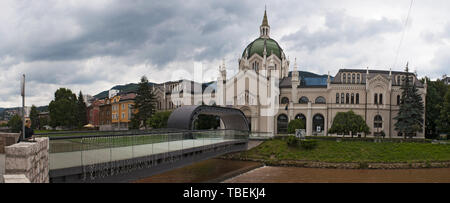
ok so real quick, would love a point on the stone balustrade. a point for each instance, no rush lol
(30, 159)
(7, 139)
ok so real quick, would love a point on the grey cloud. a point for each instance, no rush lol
(340, 27)
(167, 32)
(437, 37)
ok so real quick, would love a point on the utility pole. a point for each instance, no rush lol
(22, 92)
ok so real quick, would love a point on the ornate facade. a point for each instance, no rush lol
(373, 94)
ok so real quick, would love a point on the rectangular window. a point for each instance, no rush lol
(353, 98)
(375, 99)
(357, 98)
(337, 98)
(381, 99)
(342, 98)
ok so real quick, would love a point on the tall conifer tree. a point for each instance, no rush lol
(81, 111)
(144, 104)
(410, 115)
(34, 117)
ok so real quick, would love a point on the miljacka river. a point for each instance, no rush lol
(229, 171)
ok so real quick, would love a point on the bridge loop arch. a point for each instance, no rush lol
(184, 117)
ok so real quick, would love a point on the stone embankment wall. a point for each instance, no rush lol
(6, 139)
(29, 159)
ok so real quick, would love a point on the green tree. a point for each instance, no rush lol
(15, 123)
(34, 117)
(296, 124)
(63, 109)
(436, 91)
(357, 124)
(444, 124)
(159, 119)
(340, 124)
(348, 123)
(43, 121)
(81, 111)
(410, 115)
(144, 104)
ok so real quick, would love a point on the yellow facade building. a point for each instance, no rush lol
(122, 110)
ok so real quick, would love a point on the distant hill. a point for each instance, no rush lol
(132, 87)
(42, 108)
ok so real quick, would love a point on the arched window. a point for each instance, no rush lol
(357, 98)
(375, 99)
(282, 123)
(358, 78)
(398, 99)
(337, 98)
(318, 123)
(381, 99)
(353, 78)
(344, 78)
(349, 78)
(303, 100)
(347, 98)
(342, 98)
(320, 100)
(378, 122)
(285, 100)
(353, 98)
(301, 117)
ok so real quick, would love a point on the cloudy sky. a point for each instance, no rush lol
(92, 45)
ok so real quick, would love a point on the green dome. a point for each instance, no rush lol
(257, 47)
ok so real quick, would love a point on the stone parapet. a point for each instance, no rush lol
(16, 178)
(7, 139)
(30, 159)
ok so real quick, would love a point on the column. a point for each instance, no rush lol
(309, 121)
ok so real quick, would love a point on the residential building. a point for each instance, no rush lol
(122, 110)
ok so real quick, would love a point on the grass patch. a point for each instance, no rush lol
(351, 151)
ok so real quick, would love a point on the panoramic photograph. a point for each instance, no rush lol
(325, 91)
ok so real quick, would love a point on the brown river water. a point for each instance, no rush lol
(228, 171)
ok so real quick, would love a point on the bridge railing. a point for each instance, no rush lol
(86, 150)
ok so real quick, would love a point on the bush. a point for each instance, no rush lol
(292, 141)
(296, 124)
(159, 119)
(308, 144)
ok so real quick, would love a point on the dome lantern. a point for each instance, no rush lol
(264, 29)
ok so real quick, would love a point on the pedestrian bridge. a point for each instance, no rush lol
(130, 157)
